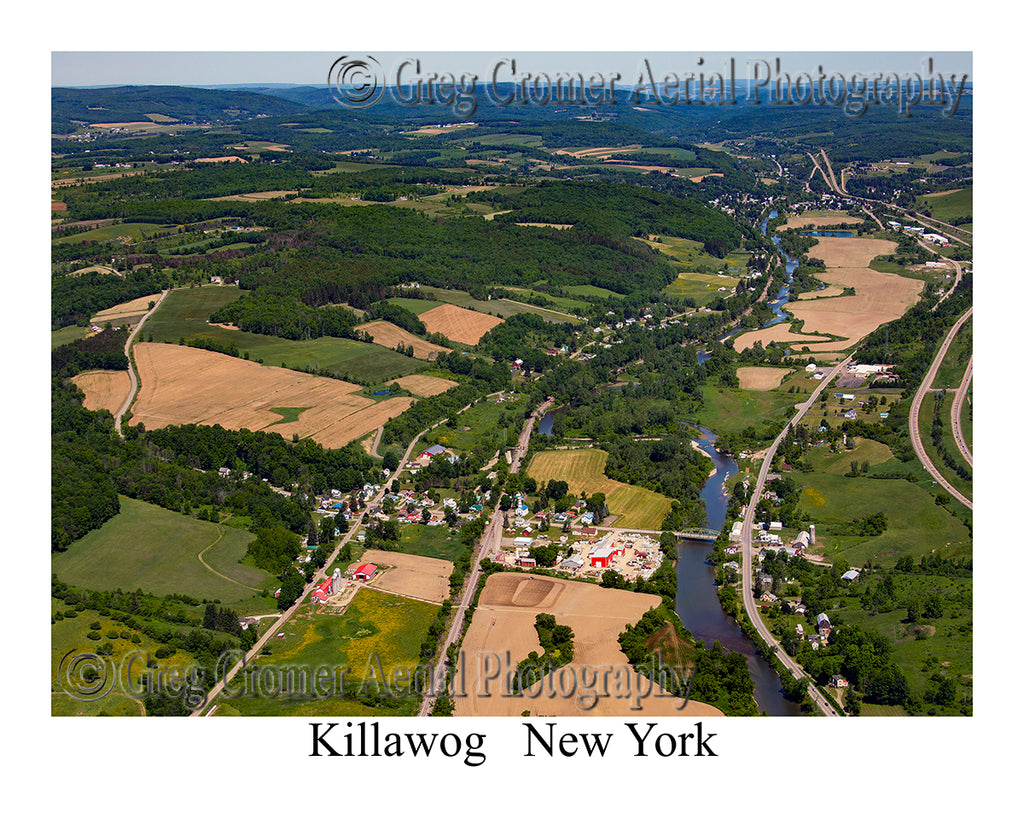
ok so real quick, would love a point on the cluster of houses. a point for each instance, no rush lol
(632, 555)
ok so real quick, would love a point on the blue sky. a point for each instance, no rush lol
(84, 68)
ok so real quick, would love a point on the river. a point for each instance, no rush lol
(697, 601)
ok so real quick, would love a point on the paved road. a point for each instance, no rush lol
(956, 413)
(490, 543)
(915, 412)
(133, 377)
(749, 603)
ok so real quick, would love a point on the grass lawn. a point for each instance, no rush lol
(150, 548)
(377, 633)
(583, 470)
(916, 525)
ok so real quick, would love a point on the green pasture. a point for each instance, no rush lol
(377, 633)
(916, 525)
(952, 205)
(731, 410)
(135, 231)
(150, 548)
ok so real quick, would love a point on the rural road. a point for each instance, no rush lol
(915, 410)
(318, 578)
(749, 603)
(133, 377)
(490, 542)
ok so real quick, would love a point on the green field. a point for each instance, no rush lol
(583, 470)
(376, 631)
(183, 312)
(430, 541)
(953, 205)
(147, 547)
(965, 487)
(68, 638)
(730, 410)
(135, 231)
(485, 422)
(916, 525)
(65, 335)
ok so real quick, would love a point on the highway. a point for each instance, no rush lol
(915, 410)
(749, 603)
(490, 543)
(956, 410)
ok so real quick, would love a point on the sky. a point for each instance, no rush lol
(91, 68)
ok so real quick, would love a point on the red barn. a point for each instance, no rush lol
(365, 571)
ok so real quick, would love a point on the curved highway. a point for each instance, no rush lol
(915, 410)
(956, 413)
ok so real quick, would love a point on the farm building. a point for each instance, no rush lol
(322, 591)
(603, 555)
(365, 571)
(852, 574)
(431, 451)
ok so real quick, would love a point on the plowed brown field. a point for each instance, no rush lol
(183, 385)
(502, 633)
(104, 389)
(389, 335)
(457, 323)
(423, 578)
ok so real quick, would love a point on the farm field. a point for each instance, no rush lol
(389, 335)
(183, 315)
(819, 218)
(150, 548)
(126, 232)
(128, 313)
(488, 420)
(104, 389)
(409, 575)
(497, 307)
(504, 621)
(458, 324)
(761, 378)
(916, 525)
(879, 297)
(185, 385)
(781, 333)
(948, 204)
(425, 385)
(65, 335)
(376, 633)
(583, 469)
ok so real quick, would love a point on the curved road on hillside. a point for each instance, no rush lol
(132, 376)
(915, 411)
(749, 603)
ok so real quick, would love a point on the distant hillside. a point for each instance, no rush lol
(73, 106)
